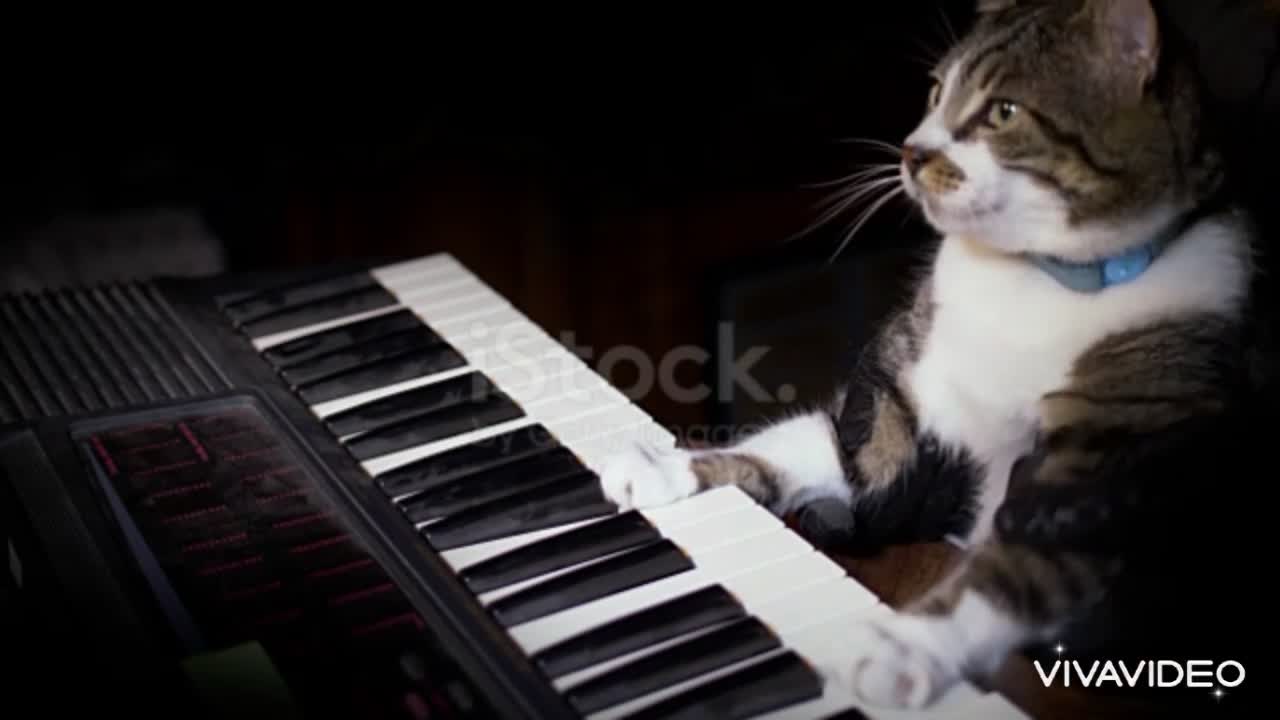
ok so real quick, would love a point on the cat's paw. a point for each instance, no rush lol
(647, 476)
(897, 662)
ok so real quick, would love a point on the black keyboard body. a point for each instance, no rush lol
(147, 451)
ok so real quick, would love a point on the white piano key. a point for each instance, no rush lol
(466, 556)
(700, 538)
(802, 571)
(337, 405)
(827, 600)
(385, 463)
(696, 537)
(400, 271)
(760, 557)
(622, 710)
(267, 342)
(840, 597)
(706, 505)
(455, 309)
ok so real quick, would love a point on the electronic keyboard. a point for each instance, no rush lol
(378, 487)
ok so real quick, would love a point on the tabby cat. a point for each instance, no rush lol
(1089, 296)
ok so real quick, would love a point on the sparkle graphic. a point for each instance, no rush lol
(1217, 693)
(1059, 649)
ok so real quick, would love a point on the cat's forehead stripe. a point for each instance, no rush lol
(1001, 39)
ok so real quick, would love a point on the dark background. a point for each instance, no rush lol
(632, 182)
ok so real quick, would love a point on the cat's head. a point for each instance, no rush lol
(1066, 127)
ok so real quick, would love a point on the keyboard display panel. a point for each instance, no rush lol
(240, 546)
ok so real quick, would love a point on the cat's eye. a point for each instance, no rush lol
(1001, 112)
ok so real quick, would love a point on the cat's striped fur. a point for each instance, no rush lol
(1064, 128)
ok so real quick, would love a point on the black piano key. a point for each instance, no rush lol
(415, 364)
(365, 353)
(673, 665)
(374, 297)
(570, 500)
(311, 346)
(436, 470)
(764, 687)
(473, 490)
(684, 614)
(269, 302)
(643, 565)
(444, 423)
(589, 542)
(410, 403)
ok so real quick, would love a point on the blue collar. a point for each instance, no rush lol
(1098, 275)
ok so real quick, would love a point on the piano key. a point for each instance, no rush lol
(740, 640)
(416, 363)
(589, 542)
(443, 423)
(741, 568)
(820, 645)
(411, 403)
(694, 538)
(472, 490)
(310, 347)
(770, 608)
(269, 302)
(329, 408)
(682, 615)
(637, 567)
(335, 307)
(552, 412)
(700, 506)
(819, 603)
(359, 355)
(578, 497)
(740, 691)
(493, 452)
(438, 263)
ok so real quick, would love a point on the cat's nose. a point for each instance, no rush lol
(916, 157)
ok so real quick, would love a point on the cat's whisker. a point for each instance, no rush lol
(948, 30)
(868, 172)
(842, 201)
(864, 217)
(873, 144)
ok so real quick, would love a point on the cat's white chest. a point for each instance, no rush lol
(1003, 334)
(986, 362)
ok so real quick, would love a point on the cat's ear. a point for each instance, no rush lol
(1130, 36)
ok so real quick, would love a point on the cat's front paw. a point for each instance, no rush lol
(897, 662)
(646, 477)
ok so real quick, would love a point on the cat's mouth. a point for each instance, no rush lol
(949, 215)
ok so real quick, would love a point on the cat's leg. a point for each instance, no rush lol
(824, 461)
(1005, 596)
(792, 461)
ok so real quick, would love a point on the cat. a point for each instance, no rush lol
(1089, 296)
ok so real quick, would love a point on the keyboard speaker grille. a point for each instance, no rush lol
(73, 351)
